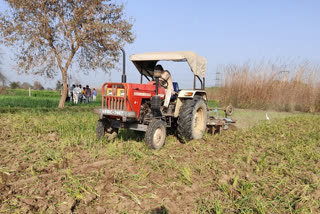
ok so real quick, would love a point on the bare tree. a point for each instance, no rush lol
(3, 79)
(37, 85)
(25, 85)
(51, 35)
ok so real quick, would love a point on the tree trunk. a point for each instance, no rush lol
(64, 72)
(65, 89)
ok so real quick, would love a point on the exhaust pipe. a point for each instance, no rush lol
(123, 77)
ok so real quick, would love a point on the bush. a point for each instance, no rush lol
(14, 85)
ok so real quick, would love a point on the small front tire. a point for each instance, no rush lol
(229, 110)
(156, 134)
(104, 129)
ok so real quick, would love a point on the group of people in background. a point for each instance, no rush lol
(79, 94)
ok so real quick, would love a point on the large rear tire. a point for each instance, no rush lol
(156, 134)
(192, 120)
(104, 130)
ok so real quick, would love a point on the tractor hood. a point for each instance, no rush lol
(146, 62)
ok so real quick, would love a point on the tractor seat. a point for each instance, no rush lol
(176, 90)
(175, 87)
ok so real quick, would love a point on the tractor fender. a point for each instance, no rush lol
(188, 94)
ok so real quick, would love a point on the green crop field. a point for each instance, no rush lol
(18, 100)
(51, 162)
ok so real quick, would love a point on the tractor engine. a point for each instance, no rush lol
(131, 102)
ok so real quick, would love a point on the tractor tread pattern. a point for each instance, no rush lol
(101, 130)
(100, 127)
(153, 125)
(184, 129)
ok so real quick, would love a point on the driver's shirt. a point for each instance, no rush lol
(169, 90)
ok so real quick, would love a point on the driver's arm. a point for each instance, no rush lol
(168, 85)
(165, 75)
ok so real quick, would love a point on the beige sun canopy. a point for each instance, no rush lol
(146, 62)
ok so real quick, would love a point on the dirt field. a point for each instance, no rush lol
(50, 162)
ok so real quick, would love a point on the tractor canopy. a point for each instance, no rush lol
(146, 62)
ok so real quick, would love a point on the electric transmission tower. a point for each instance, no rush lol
(218, 78)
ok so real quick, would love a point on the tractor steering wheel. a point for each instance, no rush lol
(163, 82)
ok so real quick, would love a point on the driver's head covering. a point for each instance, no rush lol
(158, 68)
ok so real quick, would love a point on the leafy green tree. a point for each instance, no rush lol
(58, 85)
(51, 35)
(14, 85)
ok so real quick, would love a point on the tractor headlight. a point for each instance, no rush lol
(188, 94)
(109, 92)
(120, 92)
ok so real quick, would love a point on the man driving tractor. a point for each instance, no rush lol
(166, 82)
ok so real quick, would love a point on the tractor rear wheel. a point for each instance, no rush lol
(104, 129)
(156, 134)
(192, 120)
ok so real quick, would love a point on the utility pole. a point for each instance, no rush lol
(284, 75)
(218, 78)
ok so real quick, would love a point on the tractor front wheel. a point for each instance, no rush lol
(156, 134)
(104, 129)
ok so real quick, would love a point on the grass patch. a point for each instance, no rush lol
(17, 99)
(51, 162)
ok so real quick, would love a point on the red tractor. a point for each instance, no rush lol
(158, 105)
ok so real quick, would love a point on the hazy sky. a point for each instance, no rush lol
(222, 31)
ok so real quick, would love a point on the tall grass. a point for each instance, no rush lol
(269, 85)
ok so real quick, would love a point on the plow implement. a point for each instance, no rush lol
(215, 123)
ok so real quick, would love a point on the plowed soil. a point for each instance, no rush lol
(51, 163)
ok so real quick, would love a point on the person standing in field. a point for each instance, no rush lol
(79, 95)
(88, 94)
(71, 93)
(76, 94)
(83, 95)
(94, 94)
